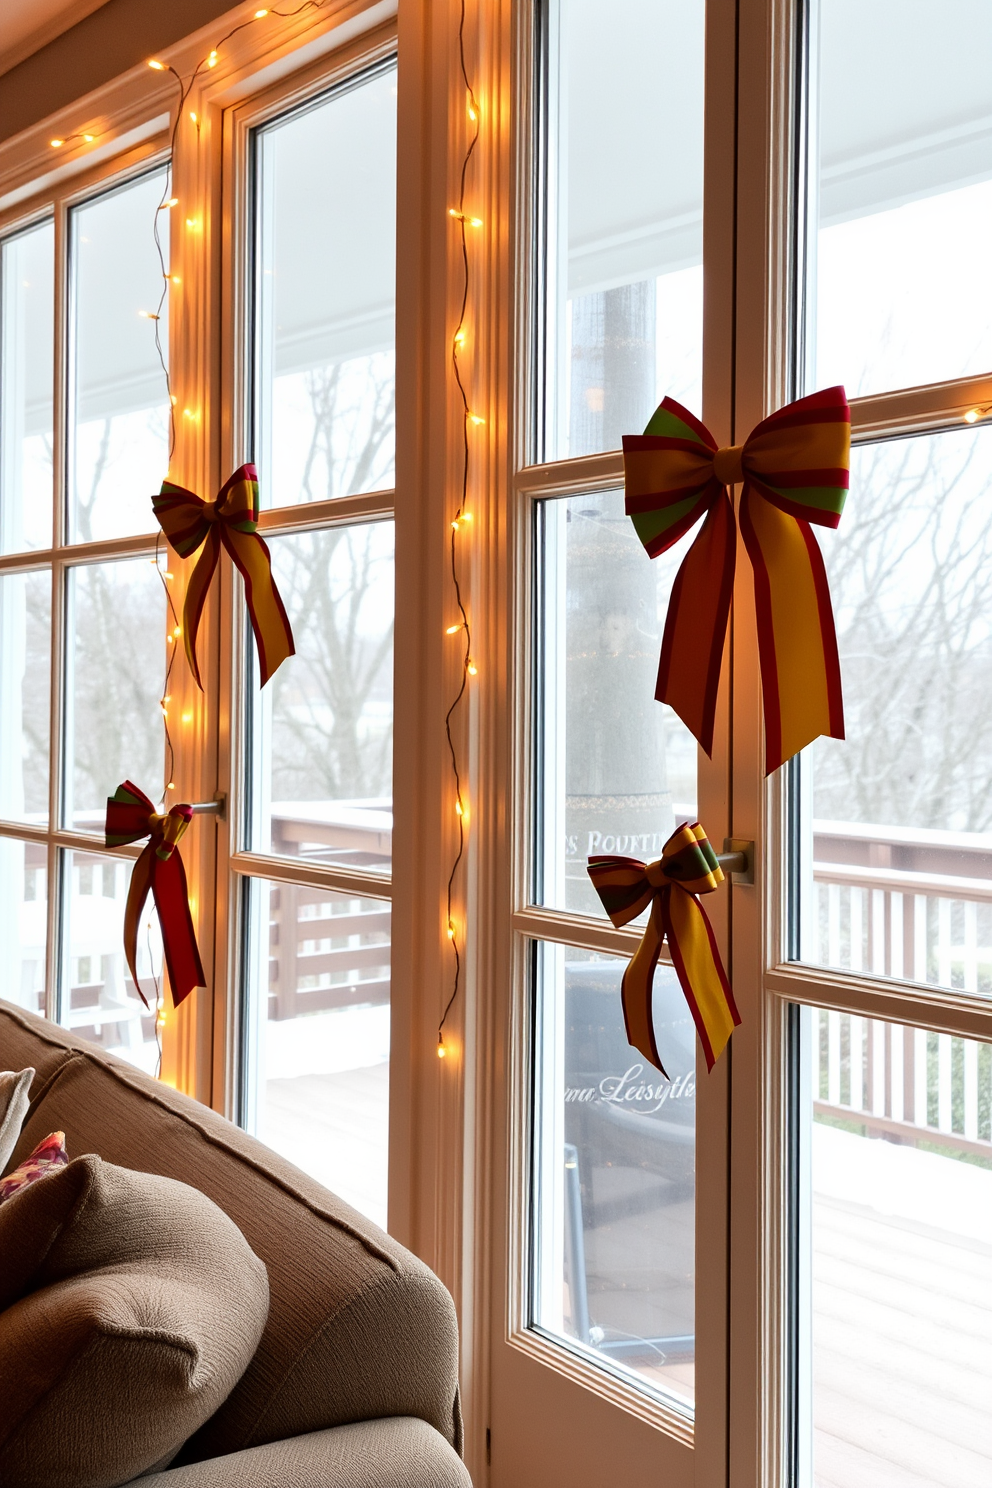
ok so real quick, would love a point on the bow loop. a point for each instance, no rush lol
(687, 866)
(794, 471)
(159, 871)
(230, 522)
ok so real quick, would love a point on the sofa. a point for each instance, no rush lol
(354, 1381)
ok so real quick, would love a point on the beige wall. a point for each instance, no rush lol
(112, 40)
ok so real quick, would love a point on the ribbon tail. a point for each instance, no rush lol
(196, 598)
(696, 624)
(696, 958)
(797, 639)
(182, 956)
(269, 621)
(141, 882)
(636, 989)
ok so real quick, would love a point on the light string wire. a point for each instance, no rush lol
(461, 516)
(185, 87)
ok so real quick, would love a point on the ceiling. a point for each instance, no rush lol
(26, 25)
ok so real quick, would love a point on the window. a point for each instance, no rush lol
(889, 858)
(82, 623)
(712, 1278)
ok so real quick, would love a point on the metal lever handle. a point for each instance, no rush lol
(202, 807)
(737, 859)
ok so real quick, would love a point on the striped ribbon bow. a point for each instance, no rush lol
(231, 522)
(687, 867)
(794, 467)
(131, 816)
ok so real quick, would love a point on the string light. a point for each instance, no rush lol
(56, 144)
(458, 340)
(212, 59)
(157, 66)
(974, 414)
(148, 315)
(192, 114)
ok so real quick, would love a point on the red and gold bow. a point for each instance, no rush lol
(688, 866)
(231, 521)
(131, 816)
(794, 467)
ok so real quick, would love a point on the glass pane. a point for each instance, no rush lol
(326, 254)
(324, 723)
(902, 289)
(318, 1087)
(25, 706)
(119, 412)
(614, 1181)
(27, 350)
(116, 625)
(897, 856)
(23, 922)
(603, 788)
(897, 1296)
(625, 227)
(99, 997)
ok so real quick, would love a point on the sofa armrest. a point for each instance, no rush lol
(403, 1452)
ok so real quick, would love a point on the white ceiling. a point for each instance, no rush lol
(26, 25)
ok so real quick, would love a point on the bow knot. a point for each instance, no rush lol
(794, 469)
(159, 871)
(728, 466)
(230, 522)
(688, 866)
(167, 830)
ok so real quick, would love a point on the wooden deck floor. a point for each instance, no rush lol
(902, 1309)
(902, 1328)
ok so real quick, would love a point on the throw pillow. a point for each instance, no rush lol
(133, 1307)
(14, 1102)
(46, 1157)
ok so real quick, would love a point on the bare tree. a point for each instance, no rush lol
(911, 579)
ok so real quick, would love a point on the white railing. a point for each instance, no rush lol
(906, 903)
(903, 1082)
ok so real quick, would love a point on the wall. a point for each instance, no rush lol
(115, 38)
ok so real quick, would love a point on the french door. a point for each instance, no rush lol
(777, 1273)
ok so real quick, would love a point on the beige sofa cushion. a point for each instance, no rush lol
(140, 1306)
(358, 1327)
(398, 1453)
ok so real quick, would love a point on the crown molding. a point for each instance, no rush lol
(70, 15)
(137, 106)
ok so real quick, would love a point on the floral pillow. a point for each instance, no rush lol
(47, 1157)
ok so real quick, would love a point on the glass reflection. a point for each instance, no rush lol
(326, 296)
(897, 872)
(617, 769)
(905, 193)
(625, 167)
(318, 1088)
(23, 922)
(119, 443)
(896, 1295)
(100, 1001)
(27, 303)
(25, 670)
(116, 621)
(324, 723)
(614, 1156)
